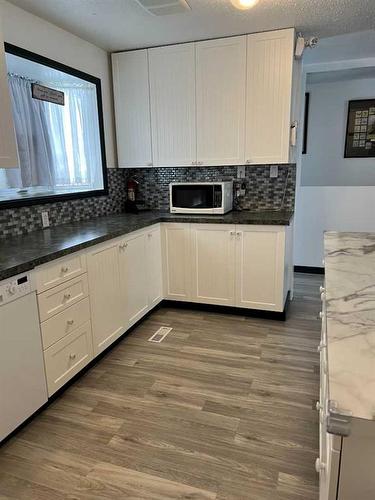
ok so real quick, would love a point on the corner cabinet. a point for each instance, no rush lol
(217, 102)
(8, 145)
(221, 87)
(132, 108)
(270, 58)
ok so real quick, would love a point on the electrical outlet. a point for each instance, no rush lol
(45, 219)
(274, 171)
(241, 172)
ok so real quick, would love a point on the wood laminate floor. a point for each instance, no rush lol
(223, 408)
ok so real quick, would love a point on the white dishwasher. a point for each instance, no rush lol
(22, 379)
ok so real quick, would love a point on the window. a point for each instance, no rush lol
(58, 122)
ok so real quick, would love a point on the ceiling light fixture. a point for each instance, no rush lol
(244, 4)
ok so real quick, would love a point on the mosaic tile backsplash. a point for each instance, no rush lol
(15, 221)
(262, 193)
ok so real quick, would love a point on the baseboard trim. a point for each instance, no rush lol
(241, 311)
(309, 269)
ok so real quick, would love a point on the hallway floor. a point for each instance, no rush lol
(223, 408)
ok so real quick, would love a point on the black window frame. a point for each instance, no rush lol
(32, 56)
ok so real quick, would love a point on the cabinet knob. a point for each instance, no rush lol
(319, 465)
(122, 246)
(238, 234)
(248, 161)
(322, 289)
(232, 233)
(318, 406)
(67, 296)
(200, 163)
(193, 162)
(72, 356)
(64, 269)
(70, 321)
(321, 315)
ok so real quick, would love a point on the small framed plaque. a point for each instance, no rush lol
(47, 94)
(360, 129)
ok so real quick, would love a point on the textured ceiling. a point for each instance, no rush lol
(124, 24)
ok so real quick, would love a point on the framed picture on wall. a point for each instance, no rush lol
(360, 129)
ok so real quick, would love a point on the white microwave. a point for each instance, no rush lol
(201, 197)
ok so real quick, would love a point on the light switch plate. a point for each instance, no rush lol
(45, 219)
(274, 171)
(241, 172)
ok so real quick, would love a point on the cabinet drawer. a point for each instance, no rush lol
(67, 357)
(58, 326)
(61, 297)
(59, 271)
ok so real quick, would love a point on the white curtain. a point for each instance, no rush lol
(59, 146)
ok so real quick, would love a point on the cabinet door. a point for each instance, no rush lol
(132, 108)
(8, 147)
(154, 266)
(105, 295)
(176, 261)
(268, 96)
(133, 276)
(172, 95)
(213, 263)
(221, 82)
(260, 267)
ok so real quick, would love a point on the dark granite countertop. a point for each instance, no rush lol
(22, 253)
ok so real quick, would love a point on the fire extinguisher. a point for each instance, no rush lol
(131, 190)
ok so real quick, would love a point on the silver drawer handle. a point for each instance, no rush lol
(322, 289)
(64, 269)
(321, 346)
(238, 234)
(123, 246)
(318, 406)
(232, 233)
(322, 296)
(319, 465)
(70, 321)
(67, 296)
(321, 315)
(72, 356)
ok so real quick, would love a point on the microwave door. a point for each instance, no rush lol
(193, 197)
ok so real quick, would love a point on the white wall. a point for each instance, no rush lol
(34, 34)
(338, 208)
(324, 164)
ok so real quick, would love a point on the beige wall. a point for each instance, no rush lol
(33, 33)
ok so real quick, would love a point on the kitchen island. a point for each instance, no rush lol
(347, 403)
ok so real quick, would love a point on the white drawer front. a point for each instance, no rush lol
(65, 322)
(59, 271)
(58, 299)
(67, 357)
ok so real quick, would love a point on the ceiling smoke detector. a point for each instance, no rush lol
(168, 7)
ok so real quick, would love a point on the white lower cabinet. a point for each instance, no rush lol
(67, 357)
(133, 277)
(154, 266)
(213, 263)
(260, 258)
(176, 261)
(105, 295)
(140, 273)
(239, 265)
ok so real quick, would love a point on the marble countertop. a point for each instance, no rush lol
(350, 316)
(22, 253)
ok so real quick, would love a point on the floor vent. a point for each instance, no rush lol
(160, 334)
(164, 7)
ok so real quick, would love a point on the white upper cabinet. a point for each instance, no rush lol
(132, 108)
(8, 145)
(172, 95)
(221, 86)
(269, 95)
